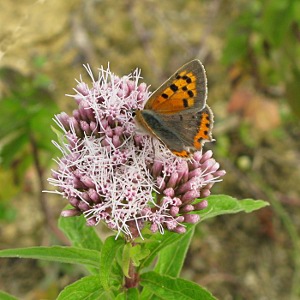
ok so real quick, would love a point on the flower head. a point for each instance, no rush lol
(111, 172)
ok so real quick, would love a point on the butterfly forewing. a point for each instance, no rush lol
(184, 90)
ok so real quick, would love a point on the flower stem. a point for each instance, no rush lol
(133, 277)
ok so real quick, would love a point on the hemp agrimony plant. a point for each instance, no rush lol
(110, 172)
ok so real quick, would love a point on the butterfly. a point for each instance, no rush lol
(177, 113)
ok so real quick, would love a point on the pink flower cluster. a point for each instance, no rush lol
(110, 172)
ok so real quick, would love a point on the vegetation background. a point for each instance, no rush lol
(251, 52)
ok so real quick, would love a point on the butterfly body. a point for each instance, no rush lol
(177, 114)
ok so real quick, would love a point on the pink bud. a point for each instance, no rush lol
(174, 210)
(187, 208)
(180, 229)
(169, 192)
(205, 193)
(70, 213)
(207, 155)
(190, 196)
(172, 180)
(190, 218)
(201, 205)
(88, 182)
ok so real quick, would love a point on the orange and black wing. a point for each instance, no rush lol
(184, 90)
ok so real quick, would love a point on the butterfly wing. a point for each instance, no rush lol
(182, 133)
(177, 114)
(155, 124)
(193, 128)
(185, 89)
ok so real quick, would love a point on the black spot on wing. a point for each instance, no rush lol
(174, 87)
(190, 93)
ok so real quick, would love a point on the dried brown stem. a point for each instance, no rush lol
(42, 196)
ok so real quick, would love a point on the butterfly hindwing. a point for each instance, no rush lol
(182, 133)
(157, 126)
(191, 128)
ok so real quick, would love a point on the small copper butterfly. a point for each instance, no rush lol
(177, 113)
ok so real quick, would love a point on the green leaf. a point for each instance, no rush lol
(108, 255)
(280, 13)
(79, 233)
(5, 296)
(60, 136)
(223, 204)
(137, 254)
(39, 126)
(236, 49)
(132, 253)
(87, 288)
(13, 147)
(126, 259)
(217, 205)
(13, 116)
(158, 242)
(71, 255)
(171, 258)
(130, 294)
(166, 287)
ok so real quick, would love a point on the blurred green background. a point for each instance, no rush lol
(251, 52)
